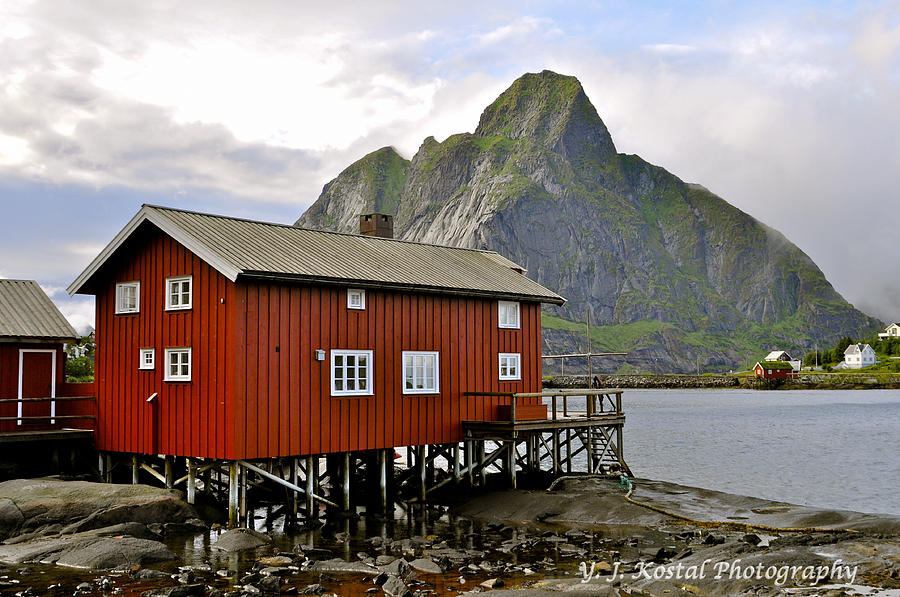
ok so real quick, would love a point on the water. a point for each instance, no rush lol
(828, 448)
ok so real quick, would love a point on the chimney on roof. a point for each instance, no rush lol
(381, 225)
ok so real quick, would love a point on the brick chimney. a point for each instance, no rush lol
(381, 225)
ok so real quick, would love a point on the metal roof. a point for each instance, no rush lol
(246, 248)
(27, 313)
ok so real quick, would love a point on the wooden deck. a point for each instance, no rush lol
(45, 435)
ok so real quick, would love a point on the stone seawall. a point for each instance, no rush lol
(644, 381)
(808, 381)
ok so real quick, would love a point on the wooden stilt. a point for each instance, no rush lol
(420, 470)
(456, 472)
(107, 467)
(169, 468)
(482, 465)
(135, 469)
(292, 495)
(383, 480)
(233, 494)
(345, 482)
(242, 485)
(467, 455)
(511, 463)
(312, 475)
(191, 481)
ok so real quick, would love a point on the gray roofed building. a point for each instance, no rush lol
(28, 314)
(240, 248)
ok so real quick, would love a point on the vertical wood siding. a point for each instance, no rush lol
(282, 396)
(9, 382)
(186, 418)
(257, 390)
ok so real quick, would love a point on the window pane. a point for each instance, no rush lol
(351, 384)
(338, 384)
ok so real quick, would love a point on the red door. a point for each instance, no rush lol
(37, 382)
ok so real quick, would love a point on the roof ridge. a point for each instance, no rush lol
(291, 226)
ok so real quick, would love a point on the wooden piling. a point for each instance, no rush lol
(233, 494)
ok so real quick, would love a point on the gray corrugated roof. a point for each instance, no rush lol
(239, 247)
(27, 313)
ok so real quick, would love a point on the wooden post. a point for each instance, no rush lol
(169, 468)
(107, 457)
(233, 494)
(312, 475)
(569, 451)
(191, 481)
(512, 408)
(482, 478)
(420, 469)
(382, 456)
(242, 484)
(293, 463)
(511, 462)
(467, 455)
(555, 438)
(135, 469)
(345, 483)
(455, 452)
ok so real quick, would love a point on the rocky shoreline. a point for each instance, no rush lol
(807, 381)
(586, 535)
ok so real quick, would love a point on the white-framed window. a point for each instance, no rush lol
(510, 365)
(178, 364)
(420, 372)
(147, 358)
(128, 297)
(179, 291)
(351, 372)
(356, 298)
(509, 314)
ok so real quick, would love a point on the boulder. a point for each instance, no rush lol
(394, 587)
(339, 565)
(241, 539)
(426, 565)
(89, 551)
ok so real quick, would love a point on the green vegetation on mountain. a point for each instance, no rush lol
(672, 274)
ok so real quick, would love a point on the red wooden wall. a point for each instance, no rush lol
(9, 383)
(186, 418)
(282, 396)
(256, 389)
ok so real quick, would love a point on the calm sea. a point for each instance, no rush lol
(836, 449)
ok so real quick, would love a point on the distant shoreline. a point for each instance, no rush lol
(807, 381)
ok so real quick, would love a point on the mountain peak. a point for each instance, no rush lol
(551, 109)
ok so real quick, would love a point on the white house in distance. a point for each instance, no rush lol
(780, 355)
(891, 331)
(858, 356)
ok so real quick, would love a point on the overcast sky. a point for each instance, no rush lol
(789, 111)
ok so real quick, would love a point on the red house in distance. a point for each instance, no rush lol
(231, 339)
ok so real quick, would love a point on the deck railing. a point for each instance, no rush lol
(63, 414)
(599, 402)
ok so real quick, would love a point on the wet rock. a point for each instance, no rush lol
(131, 529)
(711, 539)
(398, 567)
(492, 583)
(663, 554)
(191, 525)
(426, 565)
(240, 539)
(276, 561)
(339, 565)
(315, 589)
(270, 585)
(384, 560)
(148, 573)
(394, 587)
(752, 539)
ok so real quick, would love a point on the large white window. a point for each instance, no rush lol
(178, 364)
(509, 314)
(128, 297)
(178, 293)
(147, 358)
(420, 372)
(510, 365)
(351, 372)
(356, 298)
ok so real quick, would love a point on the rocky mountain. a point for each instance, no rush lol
(671, 273)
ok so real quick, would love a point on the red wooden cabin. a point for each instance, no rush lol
(234, 339)
(774, 370)
(32, 360)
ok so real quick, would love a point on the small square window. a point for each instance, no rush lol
(420, 372)
(351, 372)
(147, 358)
(178, 364)
(356, 298)
(178, 293)
(509, 314)
(128, 297)
(510, 366)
